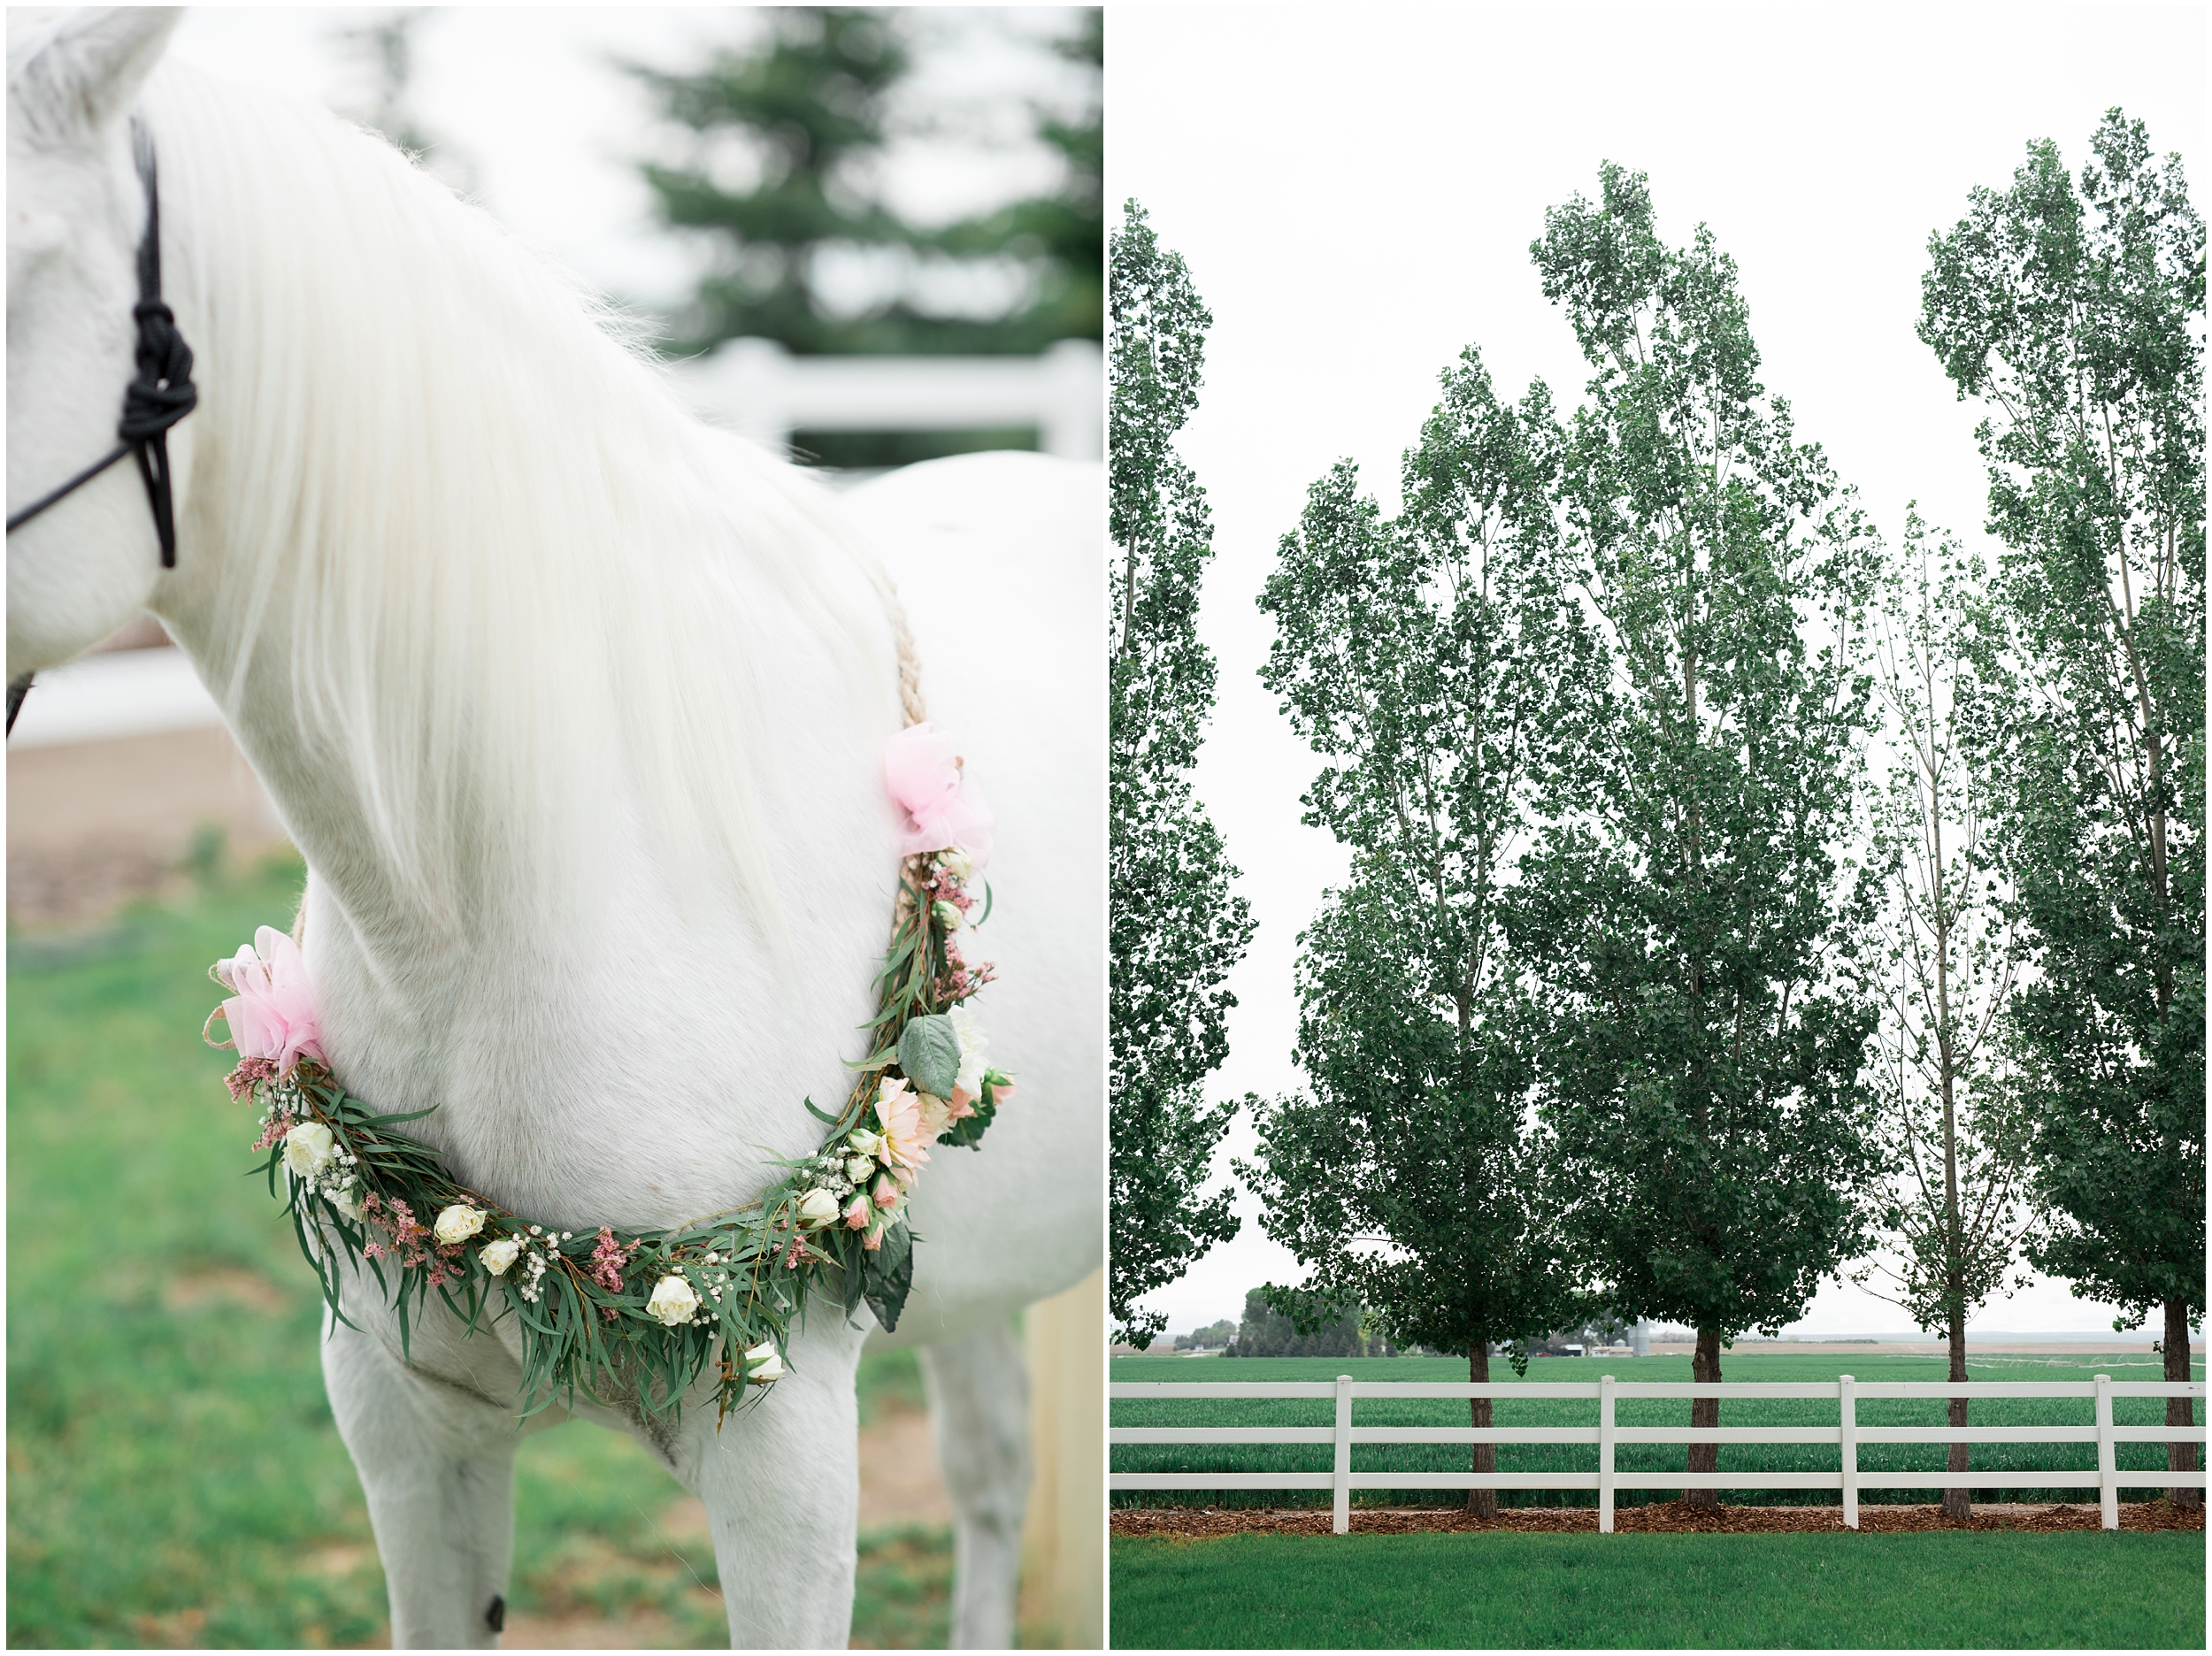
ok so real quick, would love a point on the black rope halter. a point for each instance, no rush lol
(159, 396)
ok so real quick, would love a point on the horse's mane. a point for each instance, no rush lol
(514, 579)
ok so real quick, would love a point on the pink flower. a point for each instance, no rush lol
(922, 768)
(271, 1011)
(249, 1073)
(610, 1260)
(857, 1214)
(900, 1111)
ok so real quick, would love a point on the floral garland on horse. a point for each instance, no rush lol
(643, 1313)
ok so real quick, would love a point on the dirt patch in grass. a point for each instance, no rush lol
(224, 1286)
(1194, 1523)
(900, 1482)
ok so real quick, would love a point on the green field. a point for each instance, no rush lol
(1537, 1411)
(173, 1474)
(1940, 1590)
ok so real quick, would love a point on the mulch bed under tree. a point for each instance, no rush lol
(1199, 1523)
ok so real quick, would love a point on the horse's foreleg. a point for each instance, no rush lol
(978, 1393)
(436, 1461)
(780, 1482)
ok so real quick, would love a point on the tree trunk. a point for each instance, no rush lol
(1481, 1503)
(1958, 1503)
(1705, 1457)
(2180, 1457)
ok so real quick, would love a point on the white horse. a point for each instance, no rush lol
(575, 707)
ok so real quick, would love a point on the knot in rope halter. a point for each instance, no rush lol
(158, 395)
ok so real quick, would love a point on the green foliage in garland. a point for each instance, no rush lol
(640, 1314)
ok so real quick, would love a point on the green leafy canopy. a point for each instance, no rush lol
(1707, 1035)
(1434, 663)
(1176, 928)
(2073, 310)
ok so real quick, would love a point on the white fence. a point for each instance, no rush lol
(757, 387)
(1846, 1435)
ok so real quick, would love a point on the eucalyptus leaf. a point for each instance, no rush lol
(888, 1273)
(929, 1052)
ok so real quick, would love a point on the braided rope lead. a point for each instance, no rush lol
(910, 663)
(913, 870)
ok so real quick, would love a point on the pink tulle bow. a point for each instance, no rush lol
(272, 1015)
(921, 766)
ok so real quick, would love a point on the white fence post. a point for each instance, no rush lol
(1847, 1447)
(1343, 1454)
(2107, 1470)
(1605, 1454)
(1607, 1435)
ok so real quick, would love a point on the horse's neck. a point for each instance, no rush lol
(607, 1039)
(620, 1047)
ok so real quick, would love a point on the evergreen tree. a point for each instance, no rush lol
(1063, 235)
(2074, 310)
(1175, 927)
(1333, 1331)
(1704, 1077)
(812, 104)
(1432, 661)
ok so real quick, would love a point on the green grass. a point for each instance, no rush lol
(1937, 1589)
(1536, 1411)
(173, 1473)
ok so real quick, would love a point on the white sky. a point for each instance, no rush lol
(553, 132)
(1356, 190)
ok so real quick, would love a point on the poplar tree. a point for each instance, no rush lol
(1432, 662)
(1175, 927)
(2073, 310)
(1950, 1128)
(1705, 1071)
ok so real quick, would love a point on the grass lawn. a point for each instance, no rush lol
(1536, 1411)
(173, 1474)
(1940, 1590)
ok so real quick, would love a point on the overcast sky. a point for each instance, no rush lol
(1355, 191)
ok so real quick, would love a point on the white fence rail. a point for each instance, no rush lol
(757, 387)
(1846, 1435)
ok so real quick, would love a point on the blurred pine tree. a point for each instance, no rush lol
(808, 112)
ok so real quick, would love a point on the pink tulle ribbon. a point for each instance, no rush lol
(921, 766)
(272, 1013)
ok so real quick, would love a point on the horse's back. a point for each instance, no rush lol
(997, 561)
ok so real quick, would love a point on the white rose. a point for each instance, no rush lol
(674, 1301)
(974, 1044)
(458, 1223)
(309, 1149)
(816, 1208)
(499, 1255)
(957, 863)
(763, 1363)
(865, 1143)
(859, 1168)
(348, 1204)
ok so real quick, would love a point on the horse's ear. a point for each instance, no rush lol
(86, 73)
